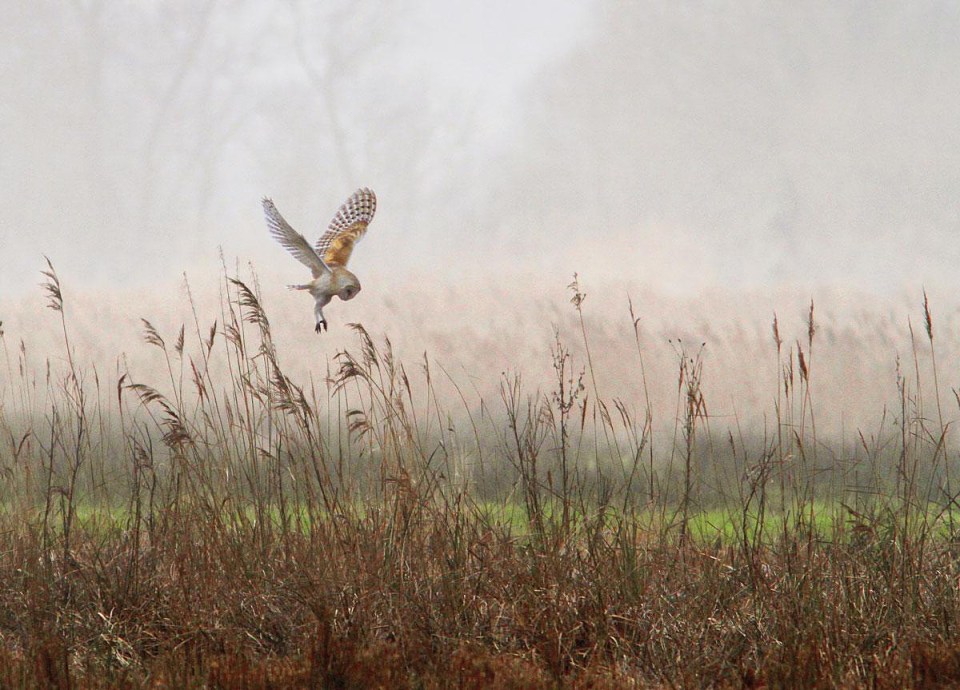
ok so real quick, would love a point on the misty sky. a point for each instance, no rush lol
(674, 144)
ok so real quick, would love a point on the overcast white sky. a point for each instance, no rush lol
(739, 153)
(468, 62)
(682, 144)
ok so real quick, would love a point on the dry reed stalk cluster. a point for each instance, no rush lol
(228, 526)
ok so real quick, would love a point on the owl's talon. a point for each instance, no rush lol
(321, 326)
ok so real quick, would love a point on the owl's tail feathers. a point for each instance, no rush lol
(298, 287)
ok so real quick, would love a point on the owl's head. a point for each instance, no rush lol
(350, 289)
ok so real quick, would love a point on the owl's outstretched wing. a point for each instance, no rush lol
(347, 227)
(293, 241)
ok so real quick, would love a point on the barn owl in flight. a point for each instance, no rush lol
(328, 260)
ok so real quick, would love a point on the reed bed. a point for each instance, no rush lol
(228, 524)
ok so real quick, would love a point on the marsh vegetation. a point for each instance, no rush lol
(381, 524)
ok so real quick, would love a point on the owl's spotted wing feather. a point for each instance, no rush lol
(347, 227)
(292, 241)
